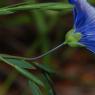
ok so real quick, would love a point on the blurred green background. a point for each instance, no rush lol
(31, 33)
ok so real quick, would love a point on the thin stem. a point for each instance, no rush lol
(34, 58)
(48, 52)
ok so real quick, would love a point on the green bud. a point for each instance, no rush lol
(72, 38)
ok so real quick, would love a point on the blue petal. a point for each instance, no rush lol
(72, 1)
(90, 45)
(76, 1)
(88, 38)
(91, 48)
(84, 17)
(84, 22)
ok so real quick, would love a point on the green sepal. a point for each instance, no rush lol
(72, 38)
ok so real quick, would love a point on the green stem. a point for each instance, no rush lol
(33, 58)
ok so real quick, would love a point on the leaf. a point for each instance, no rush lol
(20, 63)
(24, 72)
(5, 12)
(19, 4)
(48, 85)
(29, 75)
(17, 61)
(46, 6)
(11, 56)
(58, 6)
(28, 6)
(34, 88)
(43, 67)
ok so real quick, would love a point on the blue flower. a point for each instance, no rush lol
(84, 23)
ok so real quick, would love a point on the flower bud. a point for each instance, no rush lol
(72, 38)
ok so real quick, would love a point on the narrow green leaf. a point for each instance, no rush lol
(29, 75)
(28, 6)
(48, 85)
(43, 67)
(11, 56)
(5, 12)
(48, 6)
(34, 88)
(19, 4)
(24, 64)
(24, 72)
(20, 63)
